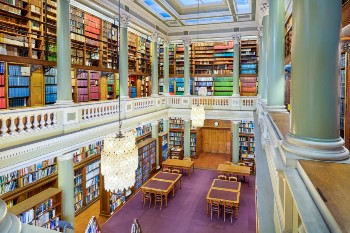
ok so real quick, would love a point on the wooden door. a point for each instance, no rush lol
(216, 140)
(37, 89)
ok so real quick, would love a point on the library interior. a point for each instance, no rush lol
(186, 116)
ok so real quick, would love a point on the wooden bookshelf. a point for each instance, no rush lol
(196, 142)
(143, 132)
(247, 144)
(163, 147)
(343, 79)
(288, 39)
(223, 86)
(43, 209)
(248, 68)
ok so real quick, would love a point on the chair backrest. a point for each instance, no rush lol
(228, 162)
(215, 203)
(222, 177)
(166, 170)
(232, 178)
(175, 157)
(241, 164)
(175, 171)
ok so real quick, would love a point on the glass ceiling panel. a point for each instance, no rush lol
(201, 2)
(242, 6)
(155, 7)
(223, 19)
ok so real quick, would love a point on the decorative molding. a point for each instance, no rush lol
(260, 32)
(345, 46)
(166, 43)
(264, 7)
(187, 41)
(125, 20)
(236, 39)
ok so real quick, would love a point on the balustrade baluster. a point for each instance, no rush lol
(84, 114)
(35, 122)
(54, 119)
(48, 120)
(20, 124)
(28, 124)
(4, 128)
(13, 126)
(42, 121)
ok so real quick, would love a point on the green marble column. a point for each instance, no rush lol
(64, 84)
(166, 68)
(187, 43)
(155, 135)
(260, 83)
(236, 54)
(265, 58)
(314, 131)
(235, 142)
(66, 183)
(154, 49)
(276, 60)
(187, 138)
(123, 58)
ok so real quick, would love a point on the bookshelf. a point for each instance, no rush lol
(343, 74)
(203, 58)
(247, 143)
(112, 86)
(248, 57)
(163, 147)
(94, 93)
(3, 94)
(18, 85)
(147, 161)
(78, 189)
(43, 209)
(223, 86)
(132, 51)
(171, 59)
(51, 86)
(93, 226)
(143, 132)
(248, 86)
(288, 39)
(207, 82)
(179, 59)
(161, 61)
(160, 126)
(223, 58)
(195, 143)
(92, 181)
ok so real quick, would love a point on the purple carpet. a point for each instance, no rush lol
(186, 212)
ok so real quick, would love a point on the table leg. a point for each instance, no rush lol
(166, 200)
(189, 173)
(174, 191)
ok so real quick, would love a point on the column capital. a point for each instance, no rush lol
(186, 41)
(260, 32)
(125, 20)
(236, 39)
(154, 36)
(166, 43)
(264, 7)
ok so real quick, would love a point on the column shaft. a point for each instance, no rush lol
(236, 68)
(123, 62)
(66, 183)
(155, 85)
(64, 84)
(276, 60)
(187, 138)
(155, 135)
(314, 131)
(166, 70)
(264, 80)
(187, 69)
(235, 142)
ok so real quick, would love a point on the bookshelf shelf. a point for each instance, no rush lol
(163, 147)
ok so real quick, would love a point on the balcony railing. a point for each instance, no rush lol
(55, 120)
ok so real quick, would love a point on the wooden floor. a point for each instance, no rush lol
(206, 160)
(211, 161)
(81, 221)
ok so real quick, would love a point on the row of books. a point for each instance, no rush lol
(32, 177)
(14, 70)
(18, 92)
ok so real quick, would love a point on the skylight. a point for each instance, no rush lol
(242, 6)
(223, 19)
(201, 2)
(158, 9)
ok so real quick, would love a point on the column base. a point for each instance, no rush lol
(275, 108)
(319, 150)
(154, 95)
(187, 94)
(64, 102)
(166, 94)
(125, 97)
(236, 95)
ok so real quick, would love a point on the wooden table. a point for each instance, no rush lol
(182, 164)
(233, 169)
(163, 182)
(225, 191)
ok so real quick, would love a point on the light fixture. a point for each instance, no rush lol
(119, 158)
(197, 115)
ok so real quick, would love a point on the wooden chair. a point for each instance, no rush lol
(147, 196)
(232, 178)
(175, 157)
(166, 170)
(241, 164)
(214, 207)
(158, 198)
(177, 171)
(229, 163)
(228, 209)
(222, 177)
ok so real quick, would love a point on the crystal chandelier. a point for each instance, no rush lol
(197, 115)
(119, 158)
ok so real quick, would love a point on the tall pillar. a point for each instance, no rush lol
(64, 84)
(276, 60)
(123, 58)
(154, 49)
(236, 54)
(235, 142)
(265, 58)
(66, 183)
(314, 131)
(187, 138)
(166, 68)
(155, 135)
(260, 84)
(187, 43)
